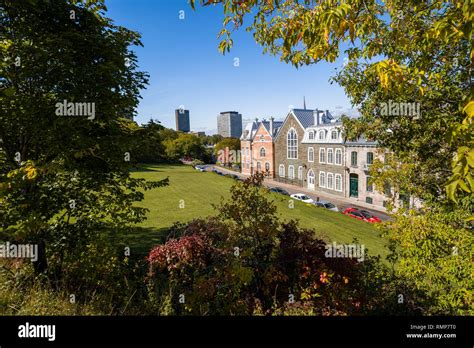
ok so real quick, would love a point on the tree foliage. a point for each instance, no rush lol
(64, 178)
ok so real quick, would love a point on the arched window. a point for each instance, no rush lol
(322, 155)
(334, 135)
(291, 172)
(338, 178)
(310, 154)
(311, 135)
(322, 179)
(292, 144)
(259, 167)
(330, 156)
(262, 152)
(322, 135)
(267, 166)
(300, 173)
(330, 182)
(281, 171)
(311, 179)
(338, 156)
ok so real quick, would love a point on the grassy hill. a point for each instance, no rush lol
(192, 194)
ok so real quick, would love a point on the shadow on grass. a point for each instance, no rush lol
(140, 240)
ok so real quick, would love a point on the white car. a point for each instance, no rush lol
(327, 205)
(302, 197)
(200, 168)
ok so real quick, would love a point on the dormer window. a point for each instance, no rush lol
(321, 135)
(334, 135)
(311, 135)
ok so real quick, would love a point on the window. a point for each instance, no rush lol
(338, 156)
(322, 155)
(369, 186)
(387, 190)
(300, 173)
(369, 200)
(262, 152)
(281, 171)
(291, 172)
(370, 157)
(292, 144)
(322, 179)
(354, 159)
(259, 167)
(267, 166)
(310, 154)
(330, 181)
(330, 156)
(311, 135)
(322, 135)
(262, 138)
(338, 182)
(334, 135)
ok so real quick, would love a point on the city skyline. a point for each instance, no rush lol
(192, 74)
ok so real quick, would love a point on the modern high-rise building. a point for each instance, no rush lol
(182, 120)
(229, 124)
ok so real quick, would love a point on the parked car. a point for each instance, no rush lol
(363, 215)
(327, 205)
(302, 197)
(200, 168)
(234, 176)
(369, 216)
(279, 190)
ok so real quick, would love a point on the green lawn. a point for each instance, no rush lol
(198, 191)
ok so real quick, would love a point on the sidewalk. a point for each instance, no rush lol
(341, 202)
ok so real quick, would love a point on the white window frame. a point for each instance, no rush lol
(291, 172)
(264, 152)
(300, 173)
(268, 166)
(281, 170)
(332, 156)
(323, 151)
(330, 175)
(332, 132)
(340, 182)
(340, 158)
(294, 148)
(311, 135)
(311, 159)
(324, 176)
(322, 135)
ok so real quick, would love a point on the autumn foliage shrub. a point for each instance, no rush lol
(245, 261)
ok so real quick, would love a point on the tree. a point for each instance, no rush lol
(64, 178)
(376, 40)
(227, 151)
(185, 145)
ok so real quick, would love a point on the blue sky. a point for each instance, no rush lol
(186, 68)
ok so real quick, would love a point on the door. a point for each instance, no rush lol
(311, 179)
(354, 185)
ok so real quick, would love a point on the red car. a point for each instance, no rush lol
(361, 215)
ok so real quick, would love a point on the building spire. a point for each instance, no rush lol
(304, 102)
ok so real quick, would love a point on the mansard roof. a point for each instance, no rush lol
(249, 131)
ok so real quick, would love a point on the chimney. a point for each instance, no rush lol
(327, 116)
(271, 127)
(316, 117)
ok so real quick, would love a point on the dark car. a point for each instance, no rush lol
(279, 190)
